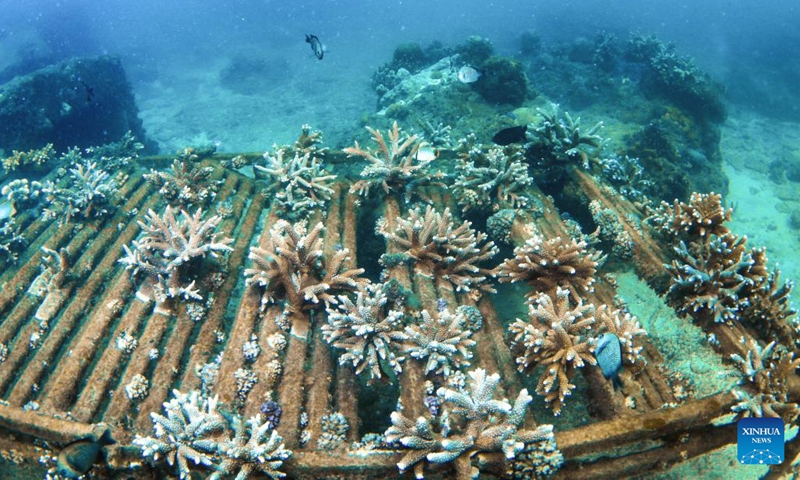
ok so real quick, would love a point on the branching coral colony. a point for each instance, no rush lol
(195, 432)
(294, 269)
(438, 247)
(469, 422)
(396, 166)
(187, 183)
(490, 180)
(296, 177)
(170, 252)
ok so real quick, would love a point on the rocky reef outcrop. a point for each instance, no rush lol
(79, 102)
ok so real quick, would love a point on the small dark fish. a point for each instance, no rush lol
(316, 45)
(510, 135)
(89, 92)
(609, 357)
(78, 457)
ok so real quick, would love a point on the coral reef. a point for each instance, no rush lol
(187, 183)
(442, 341)
(195, 431)
(295, 270)
(559, 140)
(186, 434)
(626, 327)
(764, 388)
(502, 81)
(439, 248)
(89, 193)
(33, 159)
(367, 330)
(472, 422)
(255, 447)
(168, 251)
(551, 264)
(394, 166)
(703, 216)
(552, 337)
(711, 279)
(490, 180)
(298, 184)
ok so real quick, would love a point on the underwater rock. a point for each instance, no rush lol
(503, 81)
(80, 102)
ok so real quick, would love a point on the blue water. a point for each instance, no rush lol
(167, 46)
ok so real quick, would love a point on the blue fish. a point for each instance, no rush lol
(609, 357)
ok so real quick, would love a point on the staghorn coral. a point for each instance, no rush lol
(195, 431)
(298, 184)
(711, 279)
(187, 434)
(552, 337)
(293, 268)
(560, 139)
(115, 155)
(394, 166)
(702, 217)
(626, 327)
(765, 374)
(472, 422)
(88, 194)
(768, 309)
(255, 447)
(169, 247)
(187, 183)
(438, 247)
(367, 330)
(490, 180)
(444, 340)
(551, 264)
(32, 159)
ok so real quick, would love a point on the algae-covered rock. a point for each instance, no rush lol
(79, 102)
(503, 80)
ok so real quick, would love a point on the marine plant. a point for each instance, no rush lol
(555, 335)
(474, 423)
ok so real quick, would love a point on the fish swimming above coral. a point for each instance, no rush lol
(510, 135)
(609, 357)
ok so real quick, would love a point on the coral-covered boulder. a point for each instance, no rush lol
(502, 80)
(79, 102)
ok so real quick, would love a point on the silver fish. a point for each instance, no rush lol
(468, 75)
(6, 210)
(316, 45)
(609, 357)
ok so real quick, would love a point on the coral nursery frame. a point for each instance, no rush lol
(77, 376)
